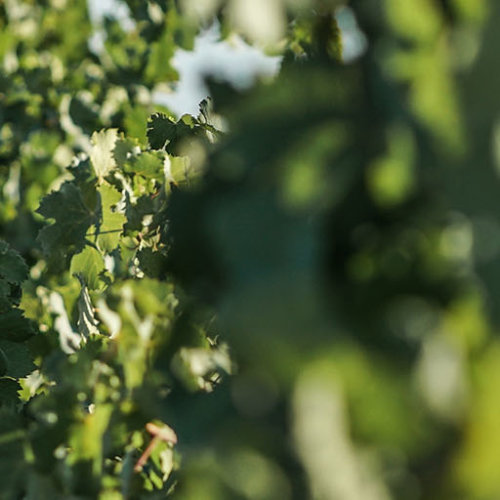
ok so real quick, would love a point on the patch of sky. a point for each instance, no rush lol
(232, 60)
(354, 42)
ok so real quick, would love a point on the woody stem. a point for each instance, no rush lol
(145, 455)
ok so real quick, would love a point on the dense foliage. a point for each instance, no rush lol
(291, 295)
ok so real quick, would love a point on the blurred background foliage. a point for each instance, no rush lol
(340, 241)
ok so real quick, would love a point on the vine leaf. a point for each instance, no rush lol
(101, 155)
(112, 220)
(161, 128)
(149, 164)
(87, 323)
(12, 266)
(18, 357)
(71, 221)
(69, 340)
(14, 326)
(87, 266)
(13, 271)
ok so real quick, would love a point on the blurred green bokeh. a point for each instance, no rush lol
(347, 236)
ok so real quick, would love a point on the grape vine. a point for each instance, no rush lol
(290, 295)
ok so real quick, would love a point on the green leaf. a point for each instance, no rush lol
(12, 266)
(19, 360)
(135, 121)
(87, 324)
(13, 270)
(159, 68)
(151, 262)
(84, 114)
(111, 226)
(9, 397)
(71, 217)
(161, 128)
(148, 164)
(87, 266)
(164, 132)
(14, 326)
(101, 155)
(125, 148)
(178, 169)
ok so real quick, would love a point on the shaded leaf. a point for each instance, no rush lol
(87, 266)
(19, 360)
(161, 129)
(14, 326)
(110, 228)
(12, 266)
(71, 217)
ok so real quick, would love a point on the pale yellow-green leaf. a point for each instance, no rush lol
(101, 154)
(87, 265)
(112, 221)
